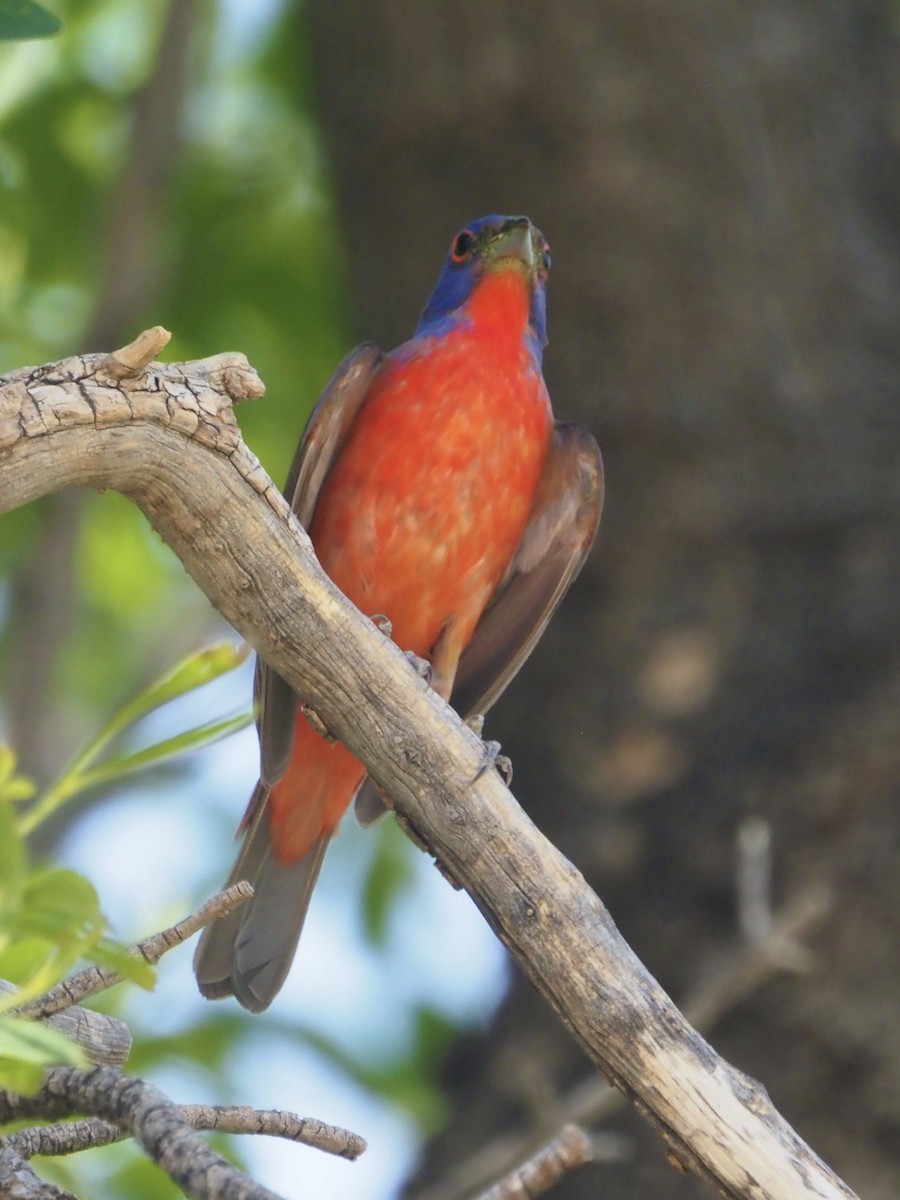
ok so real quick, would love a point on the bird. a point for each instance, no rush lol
(439, 493)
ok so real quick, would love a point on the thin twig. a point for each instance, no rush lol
(569, 1149)
(130, 360)
(92, 980)
(70, 1136)
(149, 1116)
(753, 878)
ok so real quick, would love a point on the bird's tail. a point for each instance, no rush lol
(248, 953)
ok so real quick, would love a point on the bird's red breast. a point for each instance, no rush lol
(422, 512)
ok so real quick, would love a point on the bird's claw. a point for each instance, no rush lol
(383, 624)
(492, 756)
(318, 724)
(421, 666)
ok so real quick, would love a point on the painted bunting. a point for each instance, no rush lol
(439, 492)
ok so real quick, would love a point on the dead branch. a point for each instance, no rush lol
(107, 1040)
(145, 1113)
(127, 1107)
(167, 438)
(70, 1136)
(19, 1182)
(569, 1149)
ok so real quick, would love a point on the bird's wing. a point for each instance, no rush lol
(323, 439)
(556, 541)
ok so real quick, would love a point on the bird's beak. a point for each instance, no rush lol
(514, 241)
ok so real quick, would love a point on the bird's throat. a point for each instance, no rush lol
(501, 304)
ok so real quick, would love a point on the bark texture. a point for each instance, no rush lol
(720, 186)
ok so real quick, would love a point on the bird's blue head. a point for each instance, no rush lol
(487, 245)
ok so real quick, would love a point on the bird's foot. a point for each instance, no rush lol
(421, 666)
(492, 756)
(383, 624)
(318, 724)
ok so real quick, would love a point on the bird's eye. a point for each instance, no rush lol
(463, 244)
(546, 259)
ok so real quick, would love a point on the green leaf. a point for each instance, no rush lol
(61, 906)
(12, 862)
(18, 790)
(191, 673)
(13, 787)
(173, 747)
(21, 961)
(116, 957)
(188, 675)
(27, 1048)
(7, 763)
(20, 19)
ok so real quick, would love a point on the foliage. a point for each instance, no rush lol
(25, 19)
(50, 918)
(85, 771)
(248, 259)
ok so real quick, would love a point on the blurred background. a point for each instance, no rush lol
(720, 184)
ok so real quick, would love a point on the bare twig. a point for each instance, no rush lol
(169, 442)
(569, 1149)
(754, 878)
(136, 356)
(149, 1116)
(92, 980)
(332, 1139)
(19, 1182)
(70, 1136)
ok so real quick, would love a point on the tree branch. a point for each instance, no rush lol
(127, 1107)
(19, 1182)
(569, 1149)
(145, 1113)
(167, 438)
(721, 987)
(71, 1136)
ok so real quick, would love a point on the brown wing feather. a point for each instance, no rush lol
(323, 438)
(556, 541)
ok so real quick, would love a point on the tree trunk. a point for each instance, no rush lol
(720, 187)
